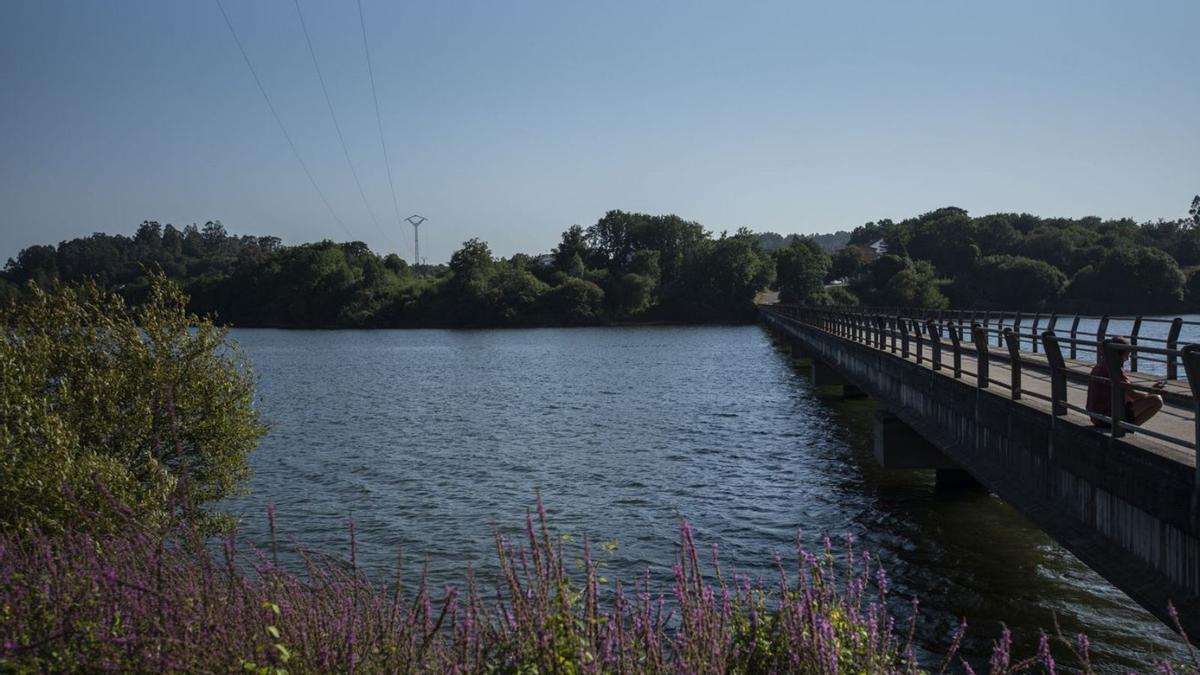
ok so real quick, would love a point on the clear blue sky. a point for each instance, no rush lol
(512, 120)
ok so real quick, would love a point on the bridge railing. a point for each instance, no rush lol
(966, 343)
(1086, 332)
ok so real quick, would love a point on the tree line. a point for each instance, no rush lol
(947, 259)
(625, 267)
(634, 267)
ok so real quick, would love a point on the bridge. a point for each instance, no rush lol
(998, 398)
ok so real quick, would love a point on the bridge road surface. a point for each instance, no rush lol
(1176, 419)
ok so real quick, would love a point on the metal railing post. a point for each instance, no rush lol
(1013, 339)
(979, 335)
(1112, 364)
(957, 349)
(1101, 333)
(1075, 338)
(1172, 346)
(935, 343)
(916, 327)
(903, 323)
(1033, 335)
(1191, 366)
(1133, 336)
(1058, 373)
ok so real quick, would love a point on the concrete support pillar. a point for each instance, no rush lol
(899, 446)
(852, 391)
(824, 376)
(799, 353)
(956, 480)
(829, 379)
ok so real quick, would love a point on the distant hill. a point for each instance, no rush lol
(830, 242)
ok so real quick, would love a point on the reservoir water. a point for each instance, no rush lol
(433, 439)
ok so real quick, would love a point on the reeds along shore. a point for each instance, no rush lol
(141, 601)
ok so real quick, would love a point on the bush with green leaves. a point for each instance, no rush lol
(801, 269)
(1016, 282)
(104, 403)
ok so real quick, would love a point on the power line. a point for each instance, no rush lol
(278, 120)
(333, 116)
(379, 118)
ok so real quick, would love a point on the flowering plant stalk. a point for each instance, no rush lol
(139, 601)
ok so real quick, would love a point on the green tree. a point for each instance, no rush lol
(519, 293)
(9, 293)
(149, 404)
(840, 295)
(1192, 289)
(915, 286)
(472, 262)
(572, 251)
(944, 238)
(468, 296)
(1130, 276)
(721, 280)
(847, 263)
(575, 300)
(1014, 282)
(631, 294)
(996, 234)
(801, 269)
(898, 281)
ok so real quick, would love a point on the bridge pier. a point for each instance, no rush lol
(957, 479)
(799, 353)
(899, 446)
(825, 376)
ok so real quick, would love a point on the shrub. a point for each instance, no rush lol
(1192, 289)
(576, 300)
(801, 269)
(149, 400)
(840, 295)
(1014, 282)
(1130, 276)
(897, 281)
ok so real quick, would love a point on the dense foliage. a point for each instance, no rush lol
(1023, 262)
(625, 267)
(638, 267)
(134, 603)
(149, 401)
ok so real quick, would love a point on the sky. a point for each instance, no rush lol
(510, 121)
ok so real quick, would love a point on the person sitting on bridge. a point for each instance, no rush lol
(1139, 407)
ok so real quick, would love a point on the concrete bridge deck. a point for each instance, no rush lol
(1176, 418)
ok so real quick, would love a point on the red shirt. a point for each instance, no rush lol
(1099, 398)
